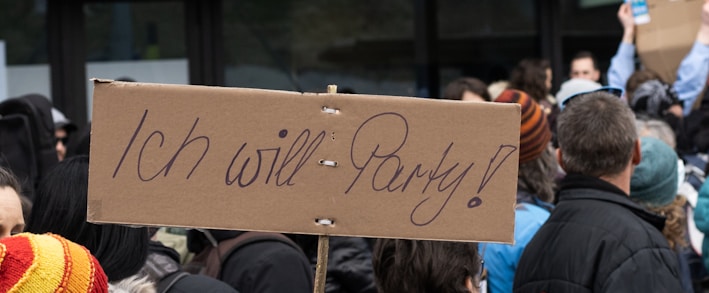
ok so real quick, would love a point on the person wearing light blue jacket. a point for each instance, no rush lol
(535, 192)
(692, 72)
(501, 259)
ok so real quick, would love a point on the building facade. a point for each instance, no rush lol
(393, 47)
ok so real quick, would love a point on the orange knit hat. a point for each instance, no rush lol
(534, 133)
(48, 263)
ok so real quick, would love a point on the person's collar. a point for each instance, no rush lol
(578, 181)
(573, 180)
(524, 196)
(159, 248)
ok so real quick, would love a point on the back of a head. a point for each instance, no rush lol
(455, 89)
(62, 195)
(534, 134)
(654, 180)
(638, 78)
(657, 128)
(31, 129)
(48, 263)
(424, 266)
(80, 142)
(653, 98)
(596, 134)
(575, 86)
(654, 185)
(125, 79)
(530, 76)
(346, 90)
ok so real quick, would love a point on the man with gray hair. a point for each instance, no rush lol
(597, 239)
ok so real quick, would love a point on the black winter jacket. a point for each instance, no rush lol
(349, 265)
(163, 268)
(598, 240)
(262, 267)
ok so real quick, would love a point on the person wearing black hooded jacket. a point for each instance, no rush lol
(269, 266)
(163, 268)
(349, 265)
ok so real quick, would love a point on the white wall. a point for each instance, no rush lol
(155, 71)
(3, 72)
(26, 79)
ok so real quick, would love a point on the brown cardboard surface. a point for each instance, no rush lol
(248, 159)
(667, 38)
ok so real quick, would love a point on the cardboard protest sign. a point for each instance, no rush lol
(666, 39)
(248, 159)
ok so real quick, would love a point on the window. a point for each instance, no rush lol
(485, 38)
(23, 32)
(365, 45)
(143, 41)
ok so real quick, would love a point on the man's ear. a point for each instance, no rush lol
(469, 285)
(559, 159)
(637, 153)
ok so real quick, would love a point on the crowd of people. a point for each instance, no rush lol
(610, 198)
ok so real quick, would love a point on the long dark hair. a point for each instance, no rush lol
(455, 89)
(60, 208)
(530, 77)
(537, 176)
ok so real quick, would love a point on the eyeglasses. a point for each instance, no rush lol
(480, 280)
(64, 140)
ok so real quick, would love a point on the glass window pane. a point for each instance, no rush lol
(590, 25)
(23, 31)
(475, 40)
(144, 41)
(121, 31)
(278, 44)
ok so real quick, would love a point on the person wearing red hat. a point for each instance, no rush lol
(11, 213)
(48, 263)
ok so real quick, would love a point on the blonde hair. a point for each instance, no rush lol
(675, 223)
(656, 128)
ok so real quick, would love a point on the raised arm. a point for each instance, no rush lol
(692, 72)
(622, 65)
